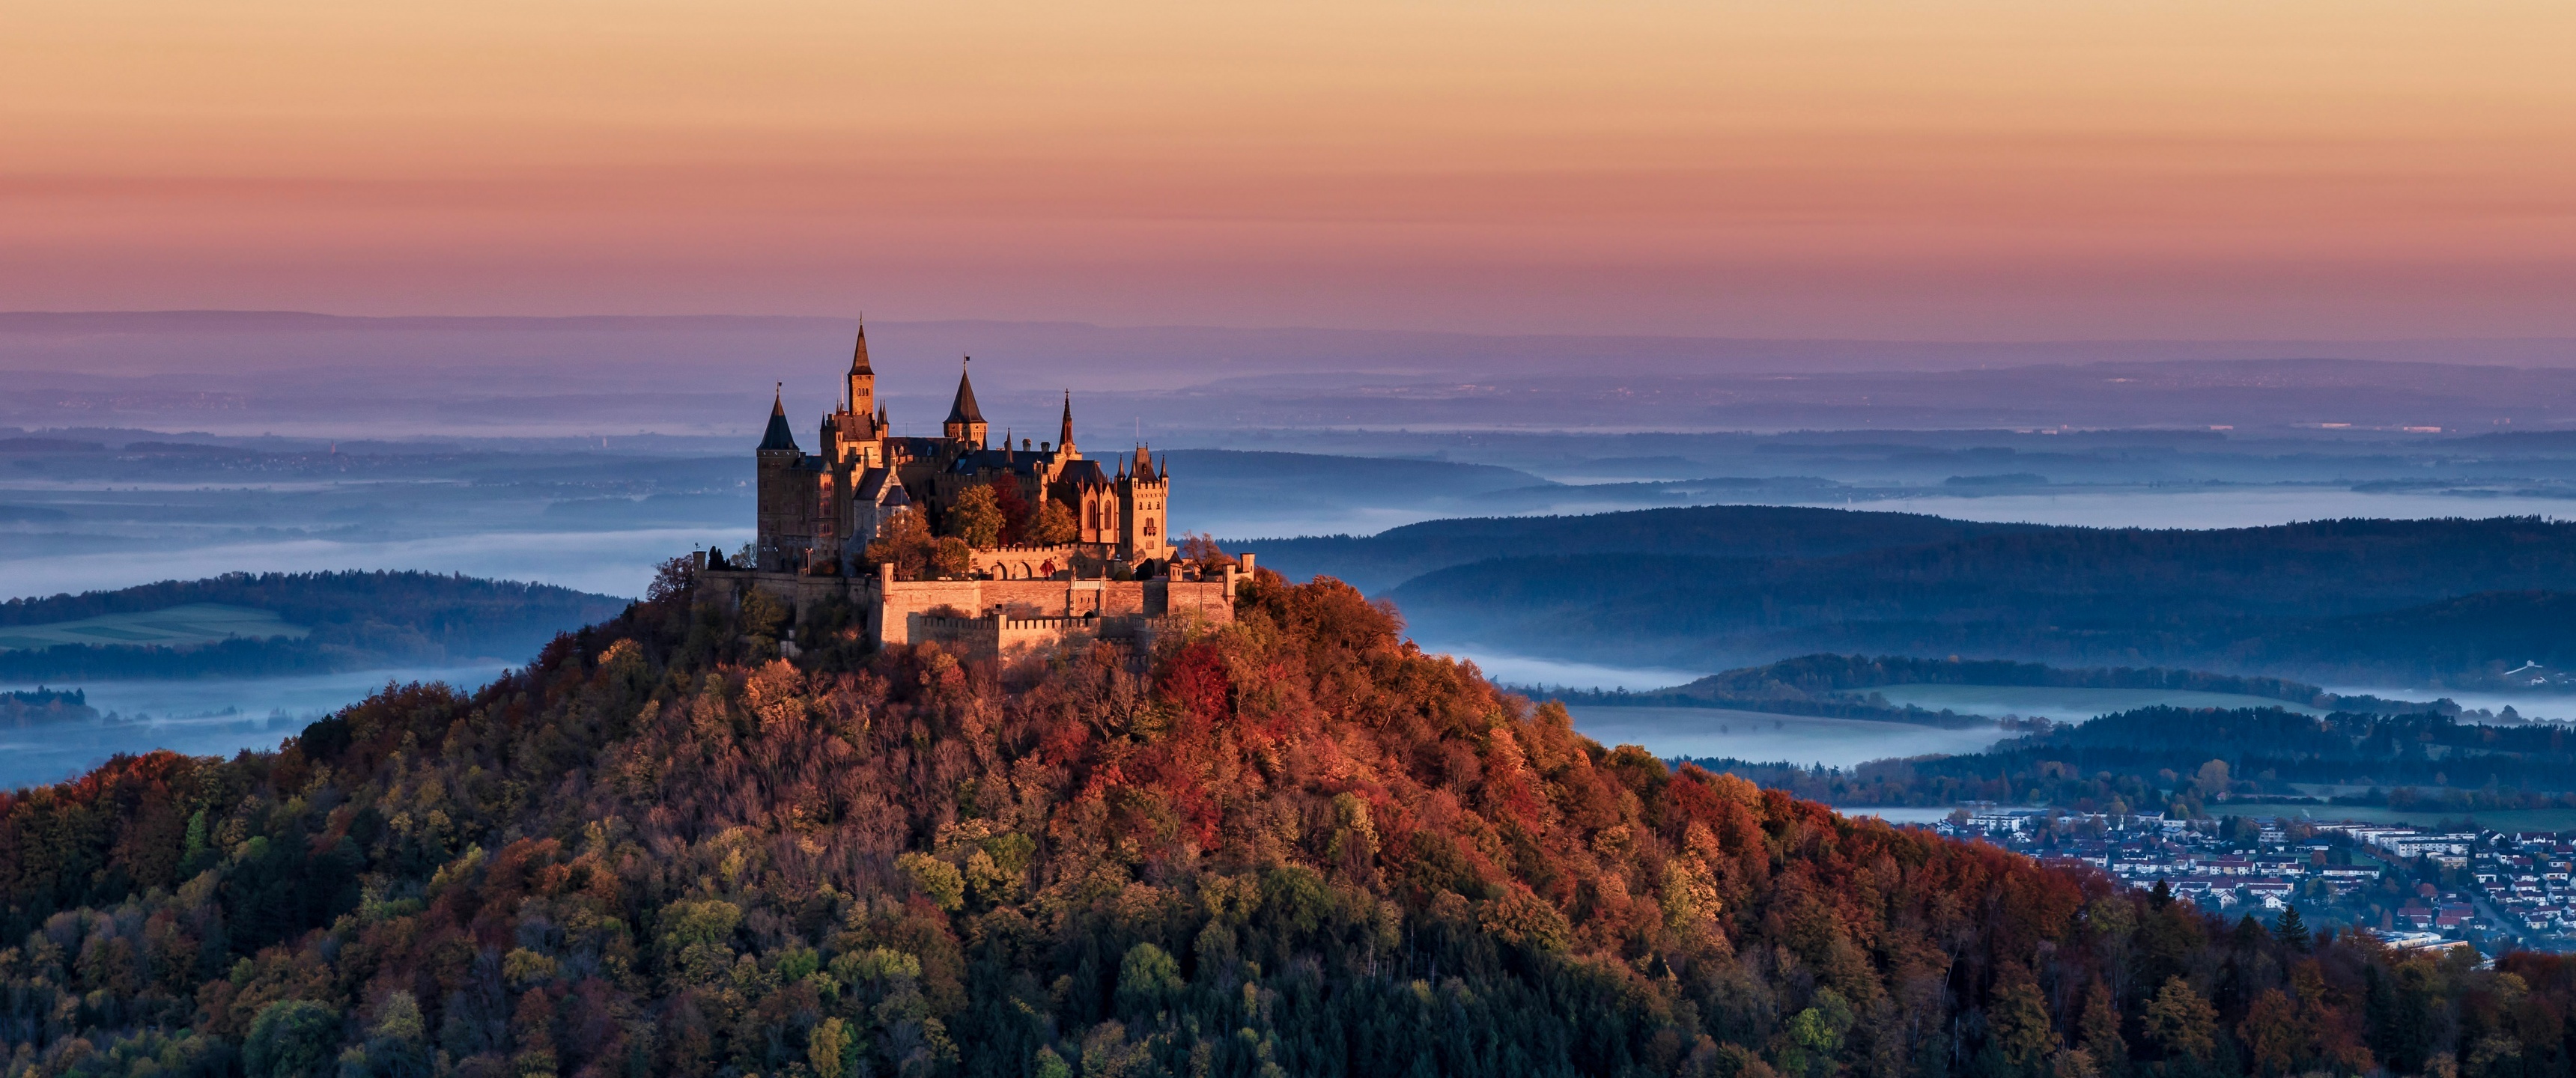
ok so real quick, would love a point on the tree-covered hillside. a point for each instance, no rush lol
(1294, 846)
(357, 621)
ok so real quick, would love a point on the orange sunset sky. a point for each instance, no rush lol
(1972, 169)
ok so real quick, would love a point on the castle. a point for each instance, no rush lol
(1039, 542)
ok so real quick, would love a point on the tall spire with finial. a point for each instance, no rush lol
(965, 421)
(1064, 434)
(862, 379)
(778, 439)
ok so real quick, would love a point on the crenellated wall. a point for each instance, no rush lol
(1005, 614)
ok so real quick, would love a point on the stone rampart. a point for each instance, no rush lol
(1003, 614)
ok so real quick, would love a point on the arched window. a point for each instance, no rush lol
(1149, 527)
(1091, 511)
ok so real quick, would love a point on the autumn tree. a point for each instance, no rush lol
(904, 542)
(2182, 1025)
(951, 558)
(2018, 1029)
(1018, 518)
(2098, 1031)
(976, 517)
(2275, 1037)
(1054, 526)
(1200, 547)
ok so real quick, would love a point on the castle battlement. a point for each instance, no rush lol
(992, 615)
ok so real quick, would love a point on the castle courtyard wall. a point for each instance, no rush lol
(1000, 614)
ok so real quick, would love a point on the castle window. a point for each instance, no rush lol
(1149, 528)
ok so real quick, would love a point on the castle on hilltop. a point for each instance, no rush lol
(819, 511)
(1033, 542)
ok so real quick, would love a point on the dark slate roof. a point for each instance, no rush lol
(779, 437)
(963, 410)
(859, 359)
(1083, 473)
(995, 460)
(880, 485)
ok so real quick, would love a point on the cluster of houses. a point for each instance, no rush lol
(2525, 875)
(2520, 885)
(2200, 863)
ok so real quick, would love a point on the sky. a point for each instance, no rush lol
(1952, 170)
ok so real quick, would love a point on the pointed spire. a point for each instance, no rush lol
(963, 409)
(778, 437)
(859, 356)
(1064, 436)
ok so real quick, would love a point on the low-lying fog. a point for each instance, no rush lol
(200, 717)
(1761, 738)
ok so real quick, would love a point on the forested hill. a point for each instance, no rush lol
(1375, 563)
(2161, 759)
(2418, 602)
(1839, 673)
(353, 620)
(1293, 846)
(1832, 686)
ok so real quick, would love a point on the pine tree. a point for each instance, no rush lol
(2291, 930)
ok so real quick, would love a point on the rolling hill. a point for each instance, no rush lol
(245, 624)
(1293, 846)
(2417, 602)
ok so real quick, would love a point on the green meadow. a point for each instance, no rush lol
(176, 626)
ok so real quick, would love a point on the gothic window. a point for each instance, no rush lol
(1149, 527)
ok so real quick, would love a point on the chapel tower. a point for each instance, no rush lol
(965, 421)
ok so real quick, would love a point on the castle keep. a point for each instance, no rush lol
(1038, 542)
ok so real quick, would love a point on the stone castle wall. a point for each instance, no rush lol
(1003, 614)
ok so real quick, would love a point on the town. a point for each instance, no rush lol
(2453, 887)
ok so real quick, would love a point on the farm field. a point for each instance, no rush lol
(2062, 704)
(2505, 820)
(1763, 737)
(176, 626)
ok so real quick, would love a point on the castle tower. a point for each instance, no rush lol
(965, 421)
(1064, 434)
(781, 517)
(1144, 491)
(863, 378)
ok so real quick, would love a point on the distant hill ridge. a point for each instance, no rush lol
(2434, 603)
(357, 620)
(1829, 686)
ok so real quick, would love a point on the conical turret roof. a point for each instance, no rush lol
(963, 410)
(778, 437)
(859, 357)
